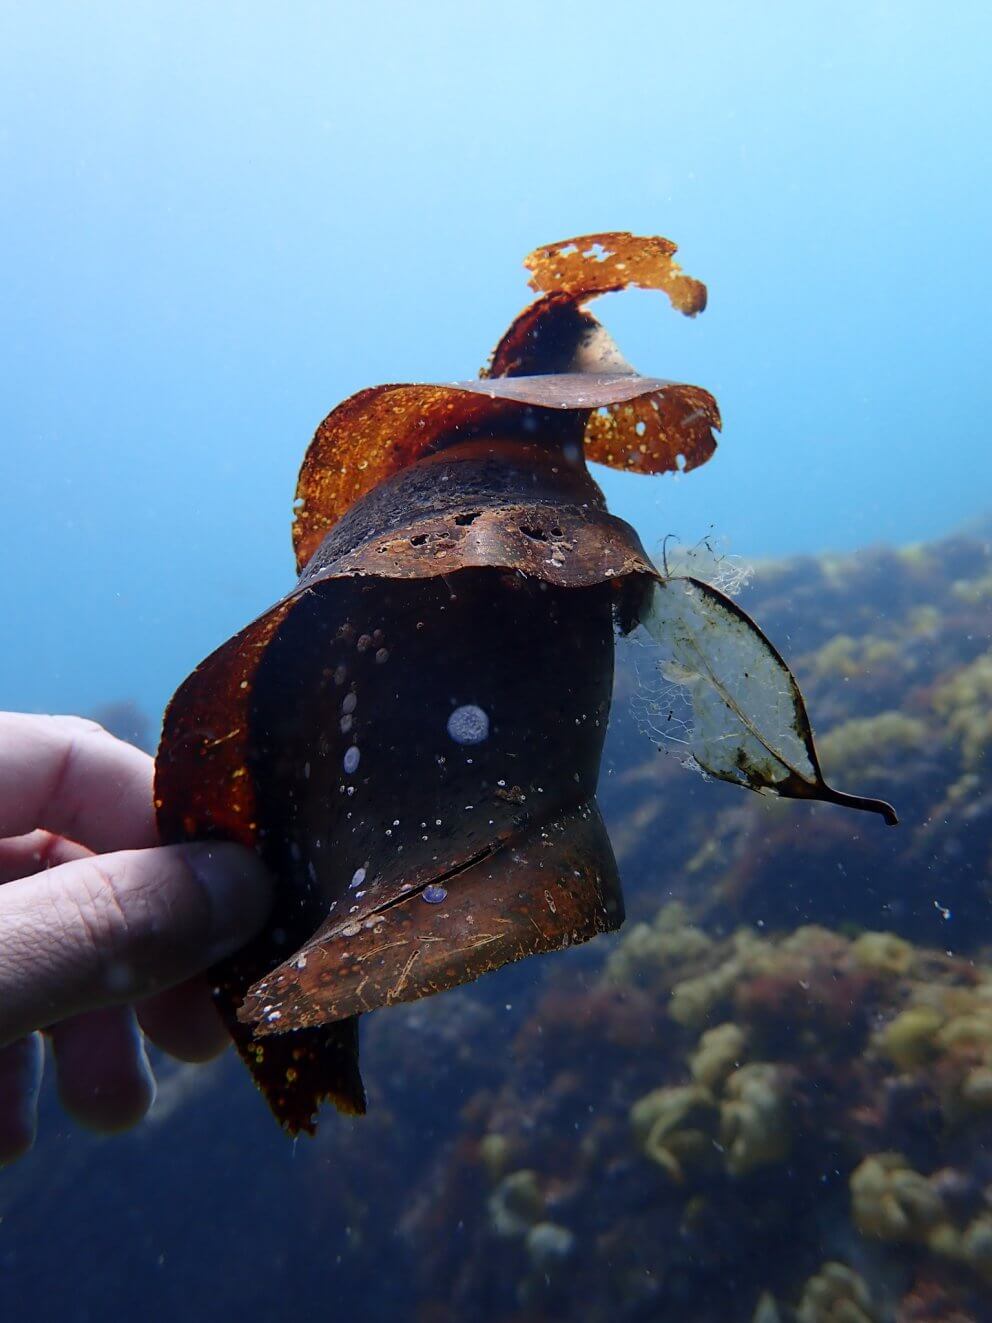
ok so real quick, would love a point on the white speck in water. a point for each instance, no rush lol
(352, 758)
(434, 894)
(357, 878)
(346, 724)
(306, 771)
(349, 703)
(468, 724)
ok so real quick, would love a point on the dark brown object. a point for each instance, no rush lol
(455, 554)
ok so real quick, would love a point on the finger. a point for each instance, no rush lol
(114, 928)
(23, 856)
(70, 776)
(104, 1079)
(184, 1022)
(21, 1067)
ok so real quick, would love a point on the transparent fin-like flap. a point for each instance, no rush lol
(749, 724)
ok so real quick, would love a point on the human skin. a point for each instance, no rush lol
(104, 933)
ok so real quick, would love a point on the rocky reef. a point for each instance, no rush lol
(767, 1099)
(771, 1097)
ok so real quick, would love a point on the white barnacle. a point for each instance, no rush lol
(469, 724)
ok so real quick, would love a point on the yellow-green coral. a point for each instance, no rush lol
(766, 1310)
(949, 1028)
(675, 1127)
(910, 1040)
(837, 658)
(693, 999)
(494, 1150)
(754, 1118)
(965, 704)
(883, 953)
(516, 1203)
(974, 591)
(720, 1051)
(891, 1201)
(669, 944)
(836, 1294)
(872, 745)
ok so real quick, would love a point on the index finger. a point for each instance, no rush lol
(72, 777)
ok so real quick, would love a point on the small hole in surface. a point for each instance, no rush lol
(464, 519)
(538, 534)
(418, 540)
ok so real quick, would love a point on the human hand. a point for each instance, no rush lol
(101, 928)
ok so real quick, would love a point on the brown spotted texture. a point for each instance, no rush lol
(600, 263)
(454, 552)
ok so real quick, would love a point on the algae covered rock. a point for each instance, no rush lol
(676, 1127)
(754, 1118)
(516, 1203)
(720, 1051)
(836, 1294)
(883, 953)
(891, 1201)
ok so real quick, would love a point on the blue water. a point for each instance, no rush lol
(218, 221)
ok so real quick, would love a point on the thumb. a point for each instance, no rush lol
(117, 927)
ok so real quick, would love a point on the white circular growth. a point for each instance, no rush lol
(468, 724)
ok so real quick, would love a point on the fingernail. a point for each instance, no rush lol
(240, 892)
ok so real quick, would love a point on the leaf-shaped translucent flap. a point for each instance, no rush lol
(664, 426)
(640, 423)
(371, 436)
(555, 886)
(658, 432)
(749, 723)
(599, 263)
(556, 333)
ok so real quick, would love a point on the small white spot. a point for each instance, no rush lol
(357, 878)
(468, 724)
(352, 758)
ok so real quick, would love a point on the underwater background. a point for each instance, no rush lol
(769, 1097)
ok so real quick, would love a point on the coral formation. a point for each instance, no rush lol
(835, 1295)
(768, 1099)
